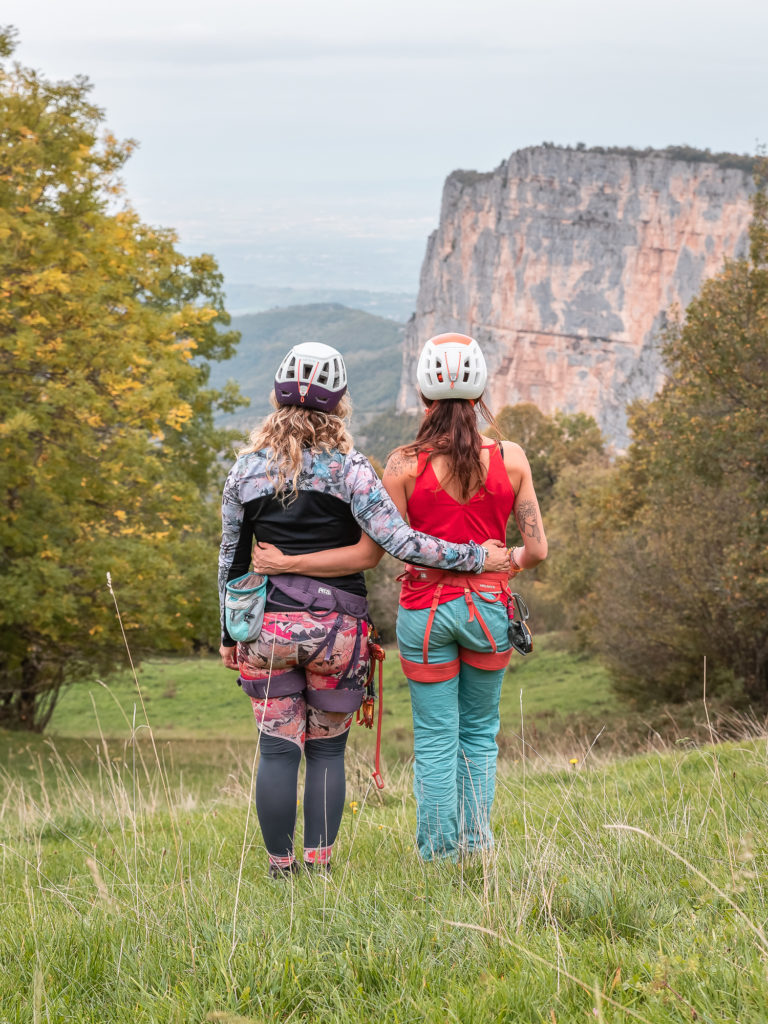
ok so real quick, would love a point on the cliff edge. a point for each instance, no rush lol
(563, 264)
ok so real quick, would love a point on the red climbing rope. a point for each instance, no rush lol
(365, 713)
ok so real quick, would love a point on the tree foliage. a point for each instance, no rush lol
(588, 505)
(108, 444)
(551, 443)
(679, 571)
(689, 154)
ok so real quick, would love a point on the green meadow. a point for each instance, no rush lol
(134, 883)
(196, 699)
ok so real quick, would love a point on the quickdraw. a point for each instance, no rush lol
(365, 712)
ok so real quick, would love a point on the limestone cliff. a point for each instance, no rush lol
(564, 263)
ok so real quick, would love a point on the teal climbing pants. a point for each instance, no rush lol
(455, 721)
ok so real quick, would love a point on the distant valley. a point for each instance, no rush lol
(371, 345)
(563, 263)
(252, 298)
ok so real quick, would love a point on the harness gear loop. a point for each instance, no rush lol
(430, 620)
(474, 613)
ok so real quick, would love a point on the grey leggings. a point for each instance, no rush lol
(324, 792)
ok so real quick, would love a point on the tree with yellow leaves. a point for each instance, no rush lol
(109, 449)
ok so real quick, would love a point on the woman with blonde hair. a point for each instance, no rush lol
(301, 485)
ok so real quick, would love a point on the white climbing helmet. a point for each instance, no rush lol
(451, 366)
(312, 375)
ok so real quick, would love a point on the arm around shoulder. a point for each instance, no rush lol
(380, 508)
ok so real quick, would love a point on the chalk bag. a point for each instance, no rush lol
(244, 606)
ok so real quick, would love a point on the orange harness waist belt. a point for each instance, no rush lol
(488, 586)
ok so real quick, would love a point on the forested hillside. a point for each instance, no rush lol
(371, 345)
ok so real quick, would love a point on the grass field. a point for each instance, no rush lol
(198, 699)
(134, 882)
(134, 890)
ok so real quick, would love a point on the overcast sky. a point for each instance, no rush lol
(307, 143)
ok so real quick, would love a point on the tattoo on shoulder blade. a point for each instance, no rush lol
(527, 519)
(399, 464)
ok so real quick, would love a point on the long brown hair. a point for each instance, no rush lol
(450, 428)
(289, 431)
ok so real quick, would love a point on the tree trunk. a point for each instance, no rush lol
(29, 694)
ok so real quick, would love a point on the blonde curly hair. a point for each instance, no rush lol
(289, 431)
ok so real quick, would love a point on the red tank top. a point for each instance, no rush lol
(433, 510)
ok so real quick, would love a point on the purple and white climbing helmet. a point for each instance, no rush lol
(311, 375)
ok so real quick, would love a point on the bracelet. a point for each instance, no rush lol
(515, 566)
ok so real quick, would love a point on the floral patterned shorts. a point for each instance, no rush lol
(308, 671)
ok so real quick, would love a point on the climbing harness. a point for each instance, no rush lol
(489, 587)
(307, 594)
(321, 599)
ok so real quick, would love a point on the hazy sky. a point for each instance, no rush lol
(307, 143)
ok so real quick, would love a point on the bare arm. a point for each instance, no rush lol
(331, 562)
(527, 512)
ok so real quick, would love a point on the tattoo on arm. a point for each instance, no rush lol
(527, 519)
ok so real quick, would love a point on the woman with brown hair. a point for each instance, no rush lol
(453, 628)
(301, 485)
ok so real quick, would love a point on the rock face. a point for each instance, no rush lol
(564, 263)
